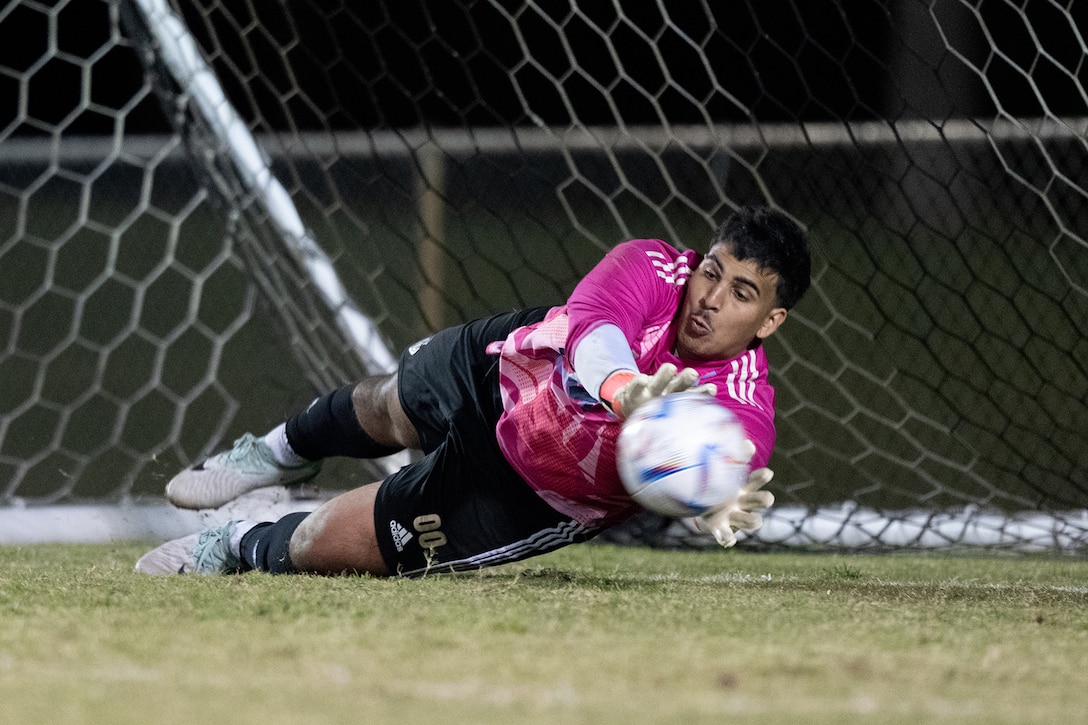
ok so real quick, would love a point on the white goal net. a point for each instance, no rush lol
(213, 210)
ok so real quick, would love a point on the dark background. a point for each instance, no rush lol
(446, 63)
(939, 359)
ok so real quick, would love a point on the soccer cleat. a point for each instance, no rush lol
(247, 466)
(205, 553)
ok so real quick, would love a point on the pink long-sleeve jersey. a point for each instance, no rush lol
(558, 436)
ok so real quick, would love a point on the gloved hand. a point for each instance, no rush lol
(640, 387)
(741, 514)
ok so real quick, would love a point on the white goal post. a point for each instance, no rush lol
(932, 387)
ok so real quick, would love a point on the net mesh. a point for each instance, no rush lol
(449, 160)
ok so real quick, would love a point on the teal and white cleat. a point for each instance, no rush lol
(247, 466)
(207, 552)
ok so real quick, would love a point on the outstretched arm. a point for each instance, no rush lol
(607, 369)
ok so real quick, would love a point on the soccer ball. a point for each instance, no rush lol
(682, 455)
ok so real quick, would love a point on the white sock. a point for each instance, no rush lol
(241, 528)
(276, 439)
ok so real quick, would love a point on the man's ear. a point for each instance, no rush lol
(774, 320)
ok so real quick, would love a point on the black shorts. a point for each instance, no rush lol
(462, 506)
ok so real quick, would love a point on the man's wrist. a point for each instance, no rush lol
(612, 385)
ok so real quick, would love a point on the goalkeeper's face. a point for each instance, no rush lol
(729, 307)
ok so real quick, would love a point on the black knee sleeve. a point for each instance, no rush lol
(267, 546)
(330, 428)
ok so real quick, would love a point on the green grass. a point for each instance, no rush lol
(592, 634)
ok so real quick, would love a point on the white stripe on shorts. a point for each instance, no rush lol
(539, 543)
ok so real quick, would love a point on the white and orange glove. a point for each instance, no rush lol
(624, 391)
(740, 515)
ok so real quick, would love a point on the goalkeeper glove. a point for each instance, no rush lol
(624, 391)
(740, 515)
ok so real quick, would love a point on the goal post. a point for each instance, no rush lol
(294, 192)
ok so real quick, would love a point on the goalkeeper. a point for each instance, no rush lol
(517, 417)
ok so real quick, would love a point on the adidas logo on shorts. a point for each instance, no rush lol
(401, 535)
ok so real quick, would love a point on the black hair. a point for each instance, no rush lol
(775, 243)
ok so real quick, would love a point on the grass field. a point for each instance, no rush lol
(592, 634)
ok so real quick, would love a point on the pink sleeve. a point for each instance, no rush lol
(760, 429)
(744, 387)
(624, 289)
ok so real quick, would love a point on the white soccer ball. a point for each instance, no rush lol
(683, 455)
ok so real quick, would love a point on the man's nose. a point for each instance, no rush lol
(712, 298)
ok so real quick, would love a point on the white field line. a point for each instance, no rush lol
(739, 578)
